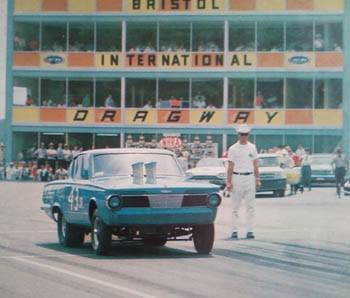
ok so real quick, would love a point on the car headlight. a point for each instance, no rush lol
(114, 202)
(222, 175)
(214, 200)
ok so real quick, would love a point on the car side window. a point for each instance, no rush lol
(85, 167)
(77, 167)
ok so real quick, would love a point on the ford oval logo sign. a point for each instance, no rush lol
(54, 59)
(299, 60)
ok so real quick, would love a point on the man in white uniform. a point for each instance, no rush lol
(242, 179)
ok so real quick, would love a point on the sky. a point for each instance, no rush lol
(2, 56)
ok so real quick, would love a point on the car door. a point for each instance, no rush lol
(73, 200)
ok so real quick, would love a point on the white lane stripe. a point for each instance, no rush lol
(26, 232)
(87, 278)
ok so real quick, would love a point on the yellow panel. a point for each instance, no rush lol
(109, 60)
(328, 117)
(212, 116)
(269, 117)
(208, 5)
(269, 5)
(80, 115)
(82, 5)
(174, 60)
(25, 115)
(143, 6)
(299, 60)
(140, 116)
(329, 5)
(27, 5)
(241, 60)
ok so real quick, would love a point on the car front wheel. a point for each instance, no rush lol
(101, 236)
(68, 234)
(203, 238)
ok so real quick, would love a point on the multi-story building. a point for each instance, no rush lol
(93, 72)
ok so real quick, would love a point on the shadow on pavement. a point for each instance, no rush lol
(126, 251)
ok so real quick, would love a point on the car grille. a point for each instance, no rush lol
(267, 175)
(204, 177)
(322, 172)
(135, 201)
(165, 201)
(194, 200)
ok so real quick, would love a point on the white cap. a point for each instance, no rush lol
(243, 128)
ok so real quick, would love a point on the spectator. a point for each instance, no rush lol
(29, 101)
(67, 153)
(175, 102)
(52, 156)
(199, 101)
(41, 155)
(11, 172)
(109, 101)
(259, 100)
(60, 156)
(75, 151)
(148, 105)
(318, 42)
(61, 173)
(43, 174)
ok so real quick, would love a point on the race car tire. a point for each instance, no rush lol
(69, 235)
(203, 238)
(101, 235)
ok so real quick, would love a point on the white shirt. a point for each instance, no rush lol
(242, 157)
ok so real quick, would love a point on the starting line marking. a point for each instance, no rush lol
(86, 278)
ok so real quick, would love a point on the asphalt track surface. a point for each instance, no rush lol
(302, 249)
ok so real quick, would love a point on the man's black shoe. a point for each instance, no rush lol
(234, 235)
(250, 235)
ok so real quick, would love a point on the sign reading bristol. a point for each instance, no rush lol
(54, 59)
(299, 60)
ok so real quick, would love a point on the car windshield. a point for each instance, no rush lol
(119, 164)
(322, 160)
(271, 161)
(210, 162)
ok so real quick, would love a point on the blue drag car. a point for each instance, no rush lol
(108, 195)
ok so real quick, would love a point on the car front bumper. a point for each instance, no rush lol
(160, 216)
(272, 185)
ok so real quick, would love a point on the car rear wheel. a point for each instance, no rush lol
(155, 241)
(68, 234)
(203, 238)
(101, 235)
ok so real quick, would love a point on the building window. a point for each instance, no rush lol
(24, 145)
(207, 37)
(299, 37)
(26, 91)
(81, 37)
(108, 93)
(328, 93)
(53, 92)
(327, 144)
(174, 93)
(108, 37)
(26, 37)
(105, 140)
(174, 37)
(266, 142)
(241, 93)
(80, 92)
(80, 141)
(328, 37)
(299, 94)
(270, 37)
(140, 93)
(207, 93)
(294, 140)
(269, 93)
(141, 37)
(242, 37)
(54, 37)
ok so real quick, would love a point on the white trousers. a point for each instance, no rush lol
(243, 189)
